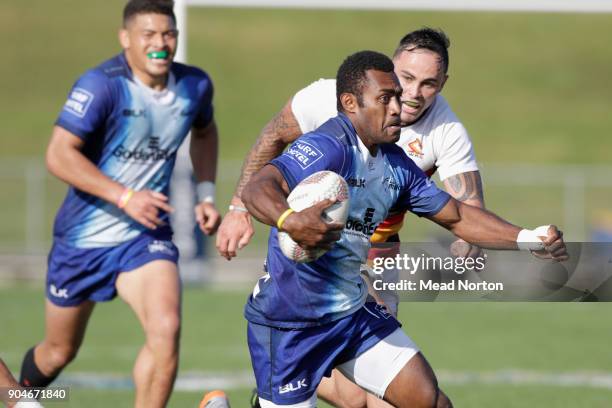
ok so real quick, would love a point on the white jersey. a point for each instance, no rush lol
(437, 141)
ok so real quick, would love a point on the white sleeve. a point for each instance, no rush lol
(455, 153)
(315, 104)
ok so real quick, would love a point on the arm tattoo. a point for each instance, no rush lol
(272, 140)
(466, 187)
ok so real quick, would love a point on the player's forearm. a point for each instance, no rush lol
(275, 136)
(478, 226)
(265, 198)
(203, 150)
(71, 166)
(466, 187)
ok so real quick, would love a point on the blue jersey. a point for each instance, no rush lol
(297, 295)
(131, 133)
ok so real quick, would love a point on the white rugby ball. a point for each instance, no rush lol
(317, 187)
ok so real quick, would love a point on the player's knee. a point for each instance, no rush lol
(424, 395)
(164, 330)
(443, 400)
(427, 396)
(354, 398)
(60, 356)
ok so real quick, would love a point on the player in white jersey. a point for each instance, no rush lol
(115, 144)
(431, 136)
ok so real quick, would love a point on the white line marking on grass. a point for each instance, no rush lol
(590, 379)
(200, 381)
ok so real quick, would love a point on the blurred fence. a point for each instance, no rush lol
(577, 197)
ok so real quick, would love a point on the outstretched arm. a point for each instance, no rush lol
(236, 228)
(486, 229)
(467, 188)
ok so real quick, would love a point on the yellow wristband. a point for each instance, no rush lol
(125, 197)
(283, 217)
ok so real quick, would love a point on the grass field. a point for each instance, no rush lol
(478, 340)
(530, 88)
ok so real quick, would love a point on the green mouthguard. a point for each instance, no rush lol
(158, 55)
(411, 104)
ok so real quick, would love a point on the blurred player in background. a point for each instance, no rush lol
(432, 136)
(115, 144)
(307, 318)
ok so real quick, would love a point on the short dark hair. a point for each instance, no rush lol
(426, 38)
(135, 7)
(351, 76)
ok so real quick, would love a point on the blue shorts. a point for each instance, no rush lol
(78, 274)
(289, 364)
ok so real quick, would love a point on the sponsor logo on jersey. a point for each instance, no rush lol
(164, 247)
(415, 149)
(365, 226)
(304, 154)
(152, 153)
(390, 184)
(283, 389)
(356, 182)
(79, 102)
(58, 293)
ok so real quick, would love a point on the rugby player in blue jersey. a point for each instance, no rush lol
(307, 318)
(115, 144)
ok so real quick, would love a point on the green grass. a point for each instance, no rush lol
(455, 337)
(530, 88)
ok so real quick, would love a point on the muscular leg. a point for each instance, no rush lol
(416, 386)
(64, 332)
(340, 392)
(153, 291)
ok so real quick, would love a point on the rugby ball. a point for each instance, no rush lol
(317, 187)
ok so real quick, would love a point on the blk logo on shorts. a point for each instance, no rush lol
(290, 387)
(58, 293)
(161, 246)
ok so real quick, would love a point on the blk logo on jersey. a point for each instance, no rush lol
(134, 112)
(79, 102)
(356, 182)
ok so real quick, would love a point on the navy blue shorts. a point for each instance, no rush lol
(289, 364)
(75, 275)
